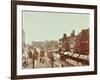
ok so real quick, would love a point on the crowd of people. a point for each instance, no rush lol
(30, 54)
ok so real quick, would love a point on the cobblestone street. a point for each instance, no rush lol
(45, 64)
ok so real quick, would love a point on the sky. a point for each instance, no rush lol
(40, 26)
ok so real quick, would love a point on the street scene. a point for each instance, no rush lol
(51, 40)
(42, 59)
(50, 54)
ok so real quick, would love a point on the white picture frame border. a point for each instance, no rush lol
(21, 71)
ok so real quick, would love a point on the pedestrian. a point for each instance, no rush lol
(42, 55)
(62, 65)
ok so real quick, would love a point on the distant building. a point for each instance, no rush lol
(63, 42)
(23, 38)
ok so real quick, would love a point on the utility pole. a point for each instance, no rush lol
(52, 60)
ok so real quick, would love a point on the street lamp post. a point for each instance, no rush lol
(52, 60)
(33, 62)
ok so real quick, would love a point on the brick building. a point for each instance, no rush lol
(75, 43)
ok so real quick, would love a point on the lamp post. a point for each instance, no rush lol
(52, 60)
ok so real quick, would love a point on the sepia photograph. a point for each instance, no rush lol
(54, 39)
